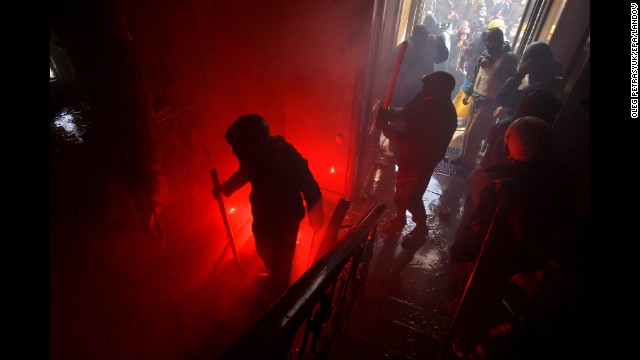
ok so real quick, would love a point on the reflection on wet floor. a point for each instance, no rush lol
(396, 317)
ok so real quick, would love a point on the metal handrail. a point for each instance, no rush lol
(272, 335)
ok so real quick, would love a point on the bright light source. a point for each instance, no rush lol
(232, 211)
(333, 170)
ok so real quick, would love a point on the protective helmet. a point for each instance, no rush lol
(497, 23)
(482, 12)
(420, 31)
(463, 23)
(249, 129)
(539, 51)
(528, 139)
(438, 82)
(463, 30)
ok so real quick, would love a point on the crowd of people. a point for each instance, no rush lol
(518, 234)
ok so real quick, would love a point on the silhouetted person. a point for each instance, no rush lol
(422, 52)
(526, 211)
(430, 124)
(280, 178)
(537, 103)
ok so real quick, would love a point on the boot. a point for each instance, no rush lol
(420, 231)
(395, 225)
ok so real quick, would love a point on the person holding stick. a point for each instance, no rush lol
(280, 179)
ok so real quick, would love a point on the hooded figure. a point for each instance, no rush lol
(422, 52)
(280, 179)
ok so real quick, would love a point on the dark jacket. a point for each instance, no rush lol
(430, 125)
(419, 59)
(535, 201)
(279, 180)
(510, 96)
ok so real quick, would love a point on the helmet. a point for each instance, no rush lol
(482, 12)
(463, 23)
(249, 129)
(528, 139)
(539, 51)
(420, 31)
(497, 23)
(438, 82)
(463, 30)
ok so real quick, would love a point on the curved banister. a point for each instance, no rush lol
(271, 336)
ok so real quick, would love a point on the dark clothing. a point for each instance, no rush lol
(526, 212)
(471, 53)
(510, 96)
(280, 178)
(432, 24)
(430, 124)
(535, 201)
(419, 59)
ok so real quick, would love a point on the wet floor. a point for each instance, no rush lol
(397, 316)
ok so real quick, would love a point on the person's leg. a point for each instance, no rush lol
(399, 199)
(264, 248)
(416, 186)
(473, 109)
(479, 127)
(284, 248)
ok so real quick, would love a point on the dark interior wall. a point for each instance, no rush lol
(165, 79)
(325, 53)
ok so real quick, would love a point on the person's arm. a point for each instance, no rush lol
(468, 89)
(308, 186)
(237, 180)
(509, 96)
(384, 117)
(442, 53)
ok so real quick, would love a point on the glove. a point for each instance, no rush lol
(316, 216)
(465, 100)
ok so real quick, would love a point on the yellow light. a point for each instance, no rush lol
(232, 211)
(333, 170)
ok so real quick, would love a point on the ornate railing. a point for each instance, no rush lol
(307, 320)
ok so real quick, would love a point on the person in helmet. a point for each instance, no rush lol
(497, 23)
(430, 124)
(280, 179)
(431, 22)
(519, 226)
(544, 73)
